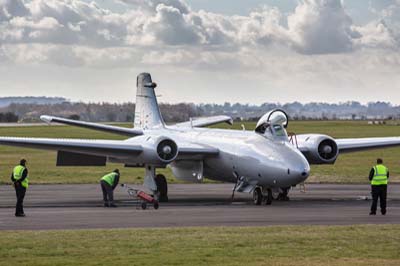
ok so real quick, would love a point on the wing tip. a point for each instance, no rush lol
(46, 118)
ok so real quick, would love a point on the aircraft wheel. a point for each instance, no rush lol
(144, 205)
(275, 194)
(269, 197)
(283, 196)
(162, 188)
(156, 205)
(257, 196)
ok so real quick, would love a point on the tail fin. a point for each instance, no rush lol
(147, 112)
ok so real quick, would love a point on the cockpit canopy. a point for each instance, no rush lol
(273, 124)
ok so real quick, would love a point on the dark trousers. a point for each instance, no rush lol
(108, 192)
(20, 192)
(379, 192)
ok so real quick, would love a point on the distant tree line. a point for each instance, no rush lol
(107, 112)
(8, 117)
(98, 112)
(5, 101)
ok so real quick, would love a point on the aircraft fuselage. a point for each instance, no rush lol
(260, 160)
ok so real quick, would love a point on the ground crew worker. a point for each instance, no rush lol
(19, 177)
(108, 184)
(378, 176)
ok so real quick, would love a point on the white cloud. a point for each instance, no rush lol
(170, 27)
(46, 23)
(321, 26)
(151, 5)
(12, 8)
(160, 32)
(376, 34)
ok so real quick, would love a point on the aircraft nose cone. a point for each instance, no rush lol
(305, 173)
(299, 169)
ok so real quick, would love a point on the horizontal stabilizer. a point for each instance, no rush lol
(206, 121)
(95, 126)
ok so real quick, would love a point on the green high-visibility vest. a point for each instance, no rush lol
(18, 171)
(109, 178)
(380, 175)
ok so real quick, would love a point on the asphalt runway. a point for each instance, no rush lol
(80, 207)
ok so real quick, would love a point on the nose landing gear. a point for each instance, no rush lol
(261, 195)
(283, 195)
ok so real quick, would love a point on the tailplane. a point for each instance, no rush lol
(147, 112)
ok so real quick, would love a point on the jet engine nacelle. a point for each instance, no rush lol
(159, 151)
(318, 149)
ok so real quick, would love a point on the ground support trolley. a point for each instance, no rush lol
(143, 199)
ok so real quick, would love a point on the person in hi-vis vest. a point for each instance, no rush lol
(19, 177)
(379, 176)
(108, 184)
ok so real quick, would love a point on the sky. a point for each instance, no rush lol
(202, 51)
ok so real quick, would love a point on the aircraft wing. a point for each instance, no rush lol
(105, 148)
(192, 151)
(206, 121)
(85, 152)
(101, 127)
(360, 144)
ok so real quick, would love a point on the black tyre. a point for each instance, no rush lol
(283, 196)
(257, 196)
(269, 197)
(275, 195)
(162, 188)
(144, 205)
(156, 205)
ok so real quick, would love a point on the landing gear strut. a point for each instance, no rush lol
(162, 188)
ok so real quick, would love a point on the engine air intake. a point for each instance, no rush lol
(167, 150)
(328, 149)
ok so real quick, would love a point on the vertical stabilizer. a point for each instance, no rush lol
(147, 112)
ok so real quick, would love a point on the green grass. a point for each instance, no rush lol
(351, 168)
(277, 245)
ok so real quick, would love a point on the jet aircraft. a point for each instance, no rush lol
(263, 161)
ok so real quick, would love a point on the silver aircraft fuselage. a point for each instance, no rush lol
(261, 160)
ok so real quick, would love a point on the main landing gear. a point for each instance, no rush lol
(266, 195)
(162, 188)
(156, 183)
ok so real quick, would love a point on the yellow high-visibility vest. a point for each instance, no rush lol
(18, 171)
(380, 175)
(109, 178)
